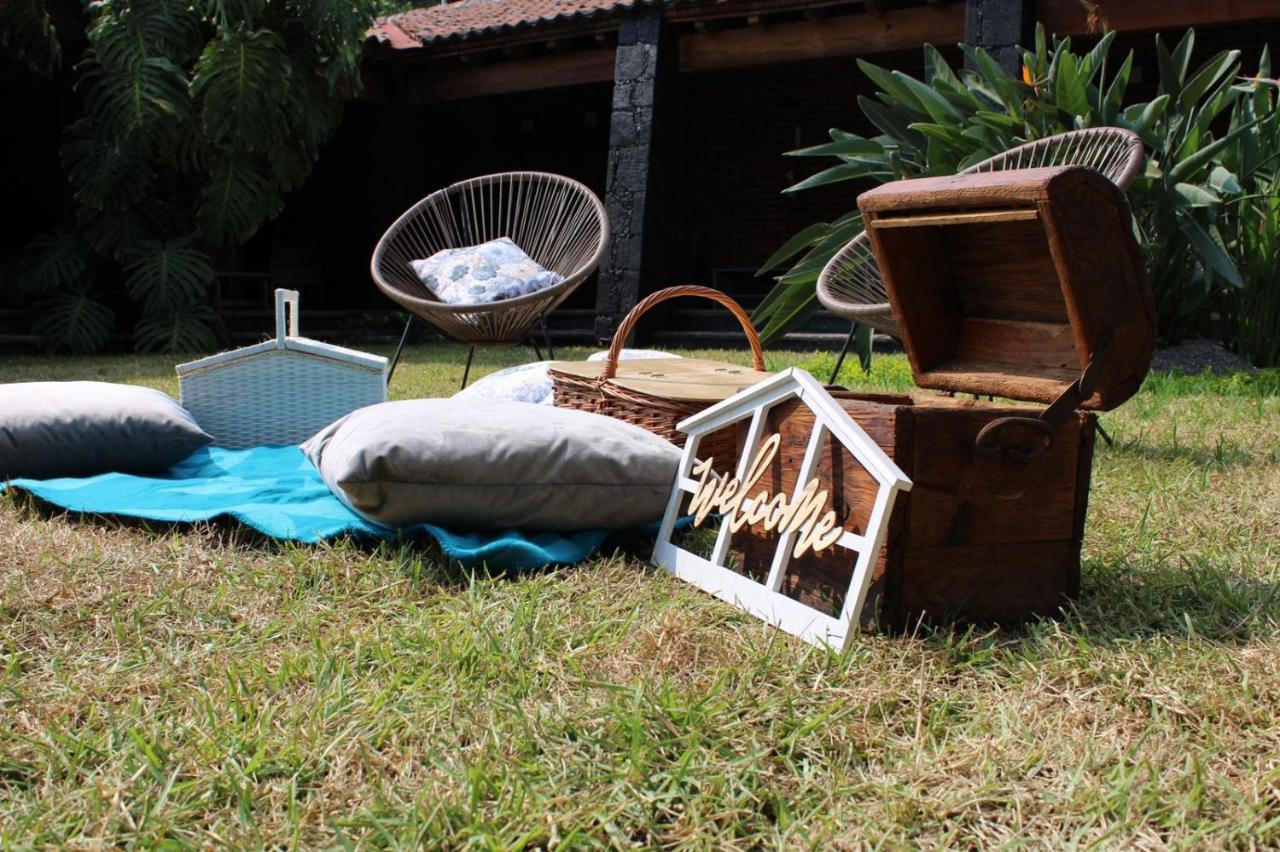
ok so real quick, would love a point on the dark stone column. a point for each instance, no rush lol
(642, 67)
(999, 26)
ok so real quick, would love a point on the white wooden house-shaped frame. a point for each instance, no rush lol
(765, 600)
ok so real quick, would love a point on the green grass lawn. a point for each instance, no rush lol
(201, 686)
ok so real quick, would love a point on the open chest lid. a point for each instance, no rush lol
(1021, 284)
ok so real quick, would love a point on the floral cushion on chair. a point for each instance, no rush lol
(489, 272)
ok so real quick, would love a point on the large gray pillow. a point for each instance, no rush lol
(490, 464)
(51, 429)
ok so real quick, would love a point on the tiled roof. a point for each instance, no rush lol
(485, 17)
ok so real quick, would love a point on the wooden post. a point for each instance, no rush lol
(999, 26)
(645, 58)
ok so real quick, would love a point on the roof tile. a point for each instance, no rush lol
(477, 17)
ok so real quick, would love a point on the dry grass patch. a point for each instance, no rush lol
(200, 686)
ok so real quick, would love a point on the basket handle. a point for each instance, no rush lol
(629, 322)
(285, 298)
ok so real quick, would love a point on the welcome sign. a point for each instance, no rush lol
(800, 522)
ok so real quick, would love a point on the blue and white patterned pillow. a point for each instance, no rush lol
(525, 383)
(489, 272)
(530, 382)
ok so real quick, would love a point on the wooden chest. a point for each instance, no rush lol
(981, 536)
(1025, 285)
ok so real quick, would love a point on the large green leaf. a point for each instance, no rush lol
(792, 306)
(56, 260)
(1224, 65)
(1070, 90)
(1115, 92)
(186, 330)
(1197, 196)
(1173, 64)
(939, 108)
(124, 33)
(895, 87)
(1211, 252)
(890, 123)
(235, 202)
(73, 321)
(806, 238)
(1010, 90)
(949, 136)
(104, 173)
(168, 276)
(242, 81)
(1188, 167)
(149, 96)
(835, 174)
(1094, 62)
(841, 144)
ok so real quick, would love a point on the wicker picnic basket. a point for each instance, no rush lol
(658, 394)
(280, 391)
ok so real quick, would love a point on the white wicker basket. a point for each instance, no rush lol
(280, 391)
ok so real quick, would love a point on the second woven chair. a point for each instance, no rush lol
(556, 220)
(850, 285)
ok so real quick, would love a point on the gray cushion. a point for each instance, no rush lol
(51, 429)
(492, 465)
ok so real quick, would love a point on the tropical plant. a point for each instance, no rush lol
(1252, 224)
(1211, 141)
(198, 119)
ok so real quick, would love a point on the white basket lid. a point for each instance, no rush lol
(287, 338)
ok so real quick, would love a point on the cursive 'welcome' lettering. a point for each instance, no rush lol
(801, 513)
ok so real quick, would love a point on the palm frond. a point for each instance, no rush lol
(53, 261)
(73, 321)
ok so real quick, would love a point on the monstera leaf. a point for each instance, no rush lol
(237, 199)
(53, 261)
(73, 321)
(187, 330)
(168, 276)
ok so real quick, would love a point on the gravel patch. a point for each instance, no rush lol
(1192, 357)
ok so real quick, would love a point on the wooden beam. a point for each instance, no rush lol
(847, 35)
(1067, 17)
(518, 75)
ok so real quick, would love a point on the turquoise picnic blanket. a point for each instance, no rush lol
(279, 493)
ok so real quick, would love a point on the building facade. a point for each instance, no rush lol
(676, 112)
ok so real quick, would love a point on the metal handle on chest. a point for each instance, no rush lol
(987, 443)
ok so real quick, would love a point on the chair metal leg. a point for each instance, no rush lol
(395, 359)
(546, 338)
(466, 371)
(537, 353)
(844, 350)
(1103, 432)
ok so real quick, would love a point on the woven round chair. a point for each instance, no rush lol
(557, 221)
(850, 285)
